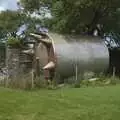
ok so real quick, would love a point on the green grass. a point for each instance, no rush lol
(100, 103)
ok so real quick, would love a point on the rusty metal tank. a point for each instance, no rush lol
(66, 51)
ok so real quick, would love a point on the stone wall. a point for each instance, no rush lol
(13, 62)
(19, 69)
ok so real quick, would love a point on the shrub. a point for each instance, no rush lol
(14, 42)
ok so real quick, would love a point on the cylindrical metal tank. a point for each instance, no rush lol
(86, 52)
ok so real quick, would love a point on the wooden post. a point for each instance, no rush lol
(32, 79)
(34, 65)
(114, 71)
(76, 73)
(6, 64)
(37, 67)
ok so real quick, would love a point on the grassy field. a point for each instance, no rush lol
(100, 103)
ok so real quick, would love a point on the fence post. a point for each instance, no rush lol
(114, 71)
(76, 73)
(6, 64)
(32, 79)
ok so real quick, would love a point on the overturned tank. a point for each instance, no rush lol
(61, 54)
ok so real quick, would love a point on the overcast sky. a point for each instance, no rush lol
(8, 4)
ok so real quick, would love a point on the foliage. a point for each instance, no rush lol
(79, 15)
(32, 22)
(39, 7)
(10, 21)
(30, 5)
(84, 15)
(2, 53)
(14, 42)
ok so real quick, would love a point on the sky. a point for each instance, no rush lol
(8, 4)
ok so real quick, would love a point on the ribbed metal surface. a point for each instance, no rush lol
(89, 53)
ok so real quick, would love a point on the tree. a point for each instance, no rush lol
(10, 21)
(37, 6)
(78, 15)
(83, 15)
